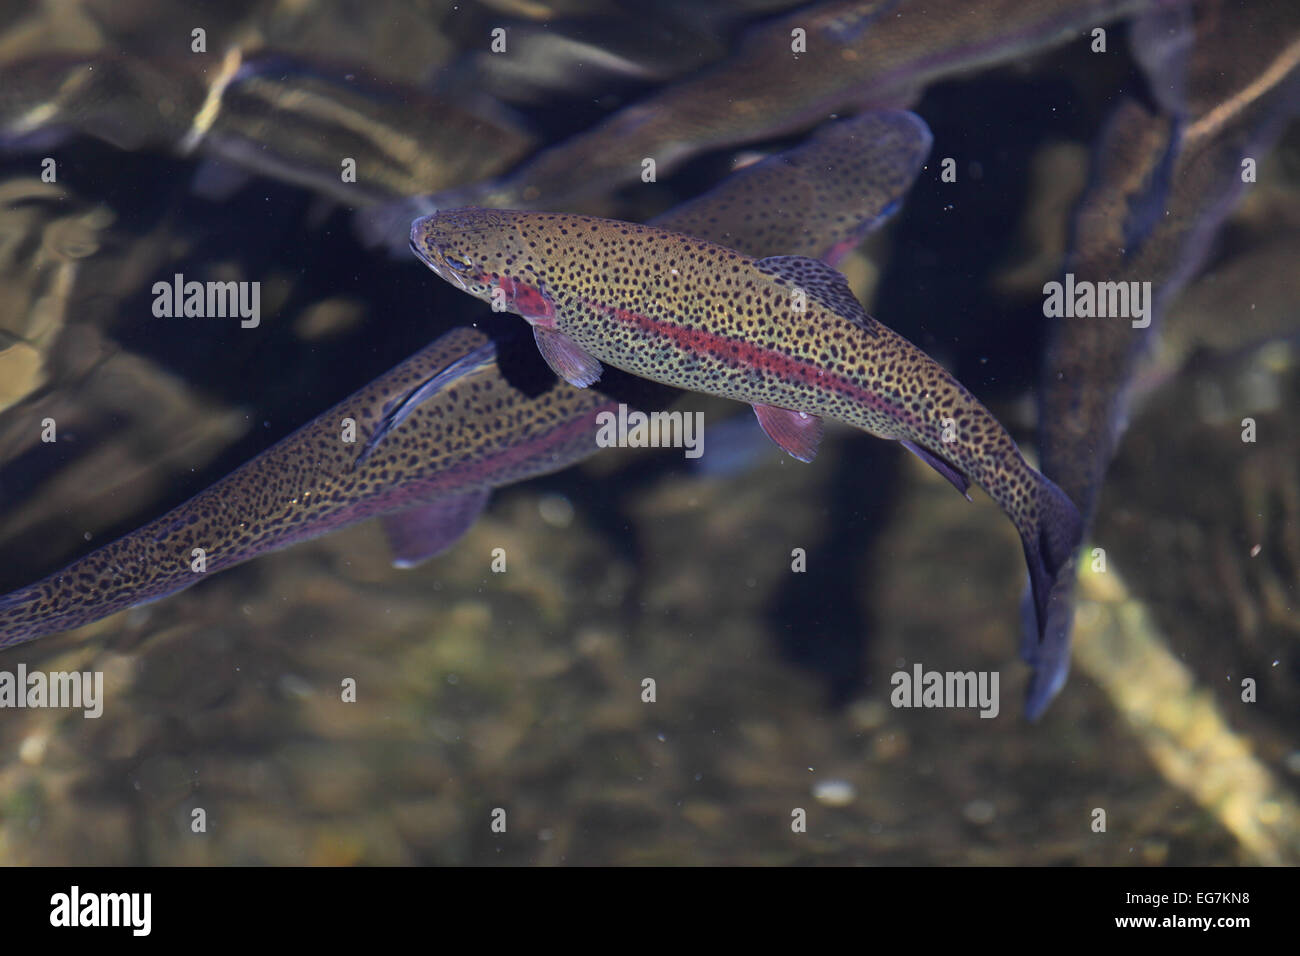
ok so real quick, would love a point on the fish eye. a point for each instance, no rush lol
(457, 261)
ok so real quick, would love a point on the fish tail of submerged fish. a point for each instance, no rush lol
(1050, 526)
(123, 574)
(238, 518)
(968, 444)
(19, 613)
(1051, 538)
(252, 511)
(1047, 653)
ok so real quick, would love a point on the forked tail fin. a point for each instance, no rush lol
(1046, 612)
(1048, 654)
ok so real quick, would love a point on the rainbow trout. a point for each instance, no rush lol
(442, 429)
(433, 479)
(784, 334)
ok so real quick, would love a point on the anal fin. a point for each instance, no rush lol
(567, 359)
(945, 468)
(424, 531)
(798, 433)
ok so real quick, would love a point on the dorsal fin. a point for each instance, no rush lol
(821, 283)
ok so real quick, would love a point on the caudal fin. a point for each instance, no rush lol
(1048, 653)
(1049, 553)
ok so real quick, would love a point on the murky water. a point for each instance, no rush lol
(319, 706)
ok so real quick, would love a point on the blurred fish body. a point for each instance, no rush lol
(862, 167)
(783, 334)
(265, 114)
(1227, 79)
(789, 74)
(294, 121)
(439, 431)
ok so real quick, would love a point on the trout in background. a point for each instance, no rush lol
(858, 53)
(1226, 80)
(442, 429)
(266, 113)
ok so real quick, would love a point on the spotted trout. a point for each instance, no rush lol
(437, 433)
(784, 334)
(428, 483)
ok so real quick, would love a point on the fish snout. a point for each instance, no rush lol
(421, 239)
(448, 264)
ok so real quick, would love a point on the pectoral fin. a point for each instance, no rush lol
(399, 409)
(947, 469)
(425, 531)
(798, 433)
(567, 358)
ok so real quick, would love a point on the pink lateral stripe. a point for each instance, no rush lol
(766, 359)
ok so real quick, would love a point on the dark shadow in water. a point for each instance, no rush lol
(817, 619)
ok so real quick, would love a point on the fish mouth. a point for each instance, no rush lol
(431, 254)
(419, 230)
(417, 235)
